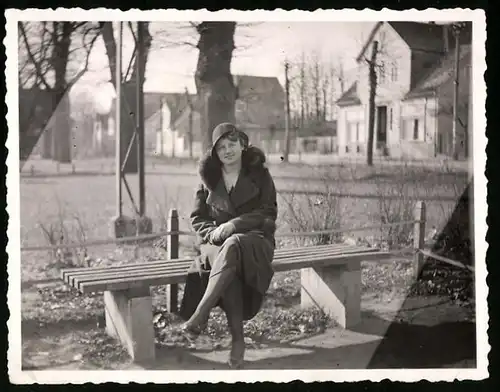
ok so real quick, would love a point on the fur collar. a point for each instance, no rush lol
(253, 162)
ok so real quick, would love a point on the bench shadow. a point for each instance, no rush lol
(401, 345)
(408, 345)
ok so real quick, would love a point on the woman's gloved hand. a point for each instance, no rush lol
(221, 233)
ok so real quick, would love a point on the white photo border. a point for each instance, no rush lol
(18, 376)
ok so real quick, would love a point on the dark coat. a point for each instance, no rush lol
(251, 207)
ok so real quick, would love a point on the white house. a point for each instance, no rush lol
(415, 78)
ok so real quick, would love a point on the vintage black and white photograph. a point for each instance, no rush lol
(243, 193)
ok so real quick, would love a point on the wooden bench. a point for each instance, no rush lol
(330, 279)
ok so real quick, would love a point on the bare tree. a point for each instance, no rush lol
(215, 42)
(47, 53)
(214, 82)
(315, 86)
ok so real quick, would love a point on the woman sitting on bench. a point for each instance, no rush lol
(235, 219)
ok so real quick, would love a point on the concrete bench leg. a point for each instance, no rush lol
(129, 317)
(335, 289)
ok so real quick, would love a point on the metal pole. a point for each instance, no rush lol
(455, 95)
(118, 89)
(140, 116)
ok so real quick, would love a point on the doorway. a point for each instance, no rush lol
(381, 127)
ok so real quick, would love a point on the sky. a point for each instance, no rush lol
(262, 49)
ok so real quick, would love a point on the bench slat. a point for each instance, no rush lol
(128, 283)
(121, 267)
(89, 274)
(126, 269)
(334, 248)
(279, 254)
(322, 252)
(179, 277)
(299, 263)
(75, 280)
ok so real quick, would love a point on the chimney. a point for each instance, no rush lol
(446, 39)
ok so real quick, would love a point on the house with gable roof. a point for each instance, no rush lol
(414, 100)
(259, 111)
(103, 139)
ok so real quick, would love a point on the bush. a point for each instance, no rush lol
(306, 212)
(65, 229)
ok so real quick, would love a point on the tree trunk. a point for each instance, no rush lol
(190, 125)
(110, 45)
(371, 103)
(214, 82)
(60, 55)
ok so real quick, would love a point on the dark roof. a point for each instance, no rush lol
(152, 103)
(249, 86)
(441, 72)
(419, 36)
(265, 99)
(350, 97)
(427, 37)
(177, 103)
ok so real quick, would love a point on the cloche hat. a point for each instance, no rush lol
(222, 130)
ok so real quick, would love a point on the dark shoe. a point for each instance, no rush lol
(190, 332)
(237, 354)
(236, 364)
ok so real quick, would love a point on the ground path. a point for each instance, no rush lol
(415, 332)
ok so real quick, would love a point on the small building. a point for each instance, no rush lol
(320, 137)
(103, 139)
(415, 78)
(259, 111)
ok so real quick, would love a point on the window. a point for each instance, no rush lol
(111, 126)
(394, 73)
(381, 73)
(351, 132)
(355, 132)
(390, 119)
(413, 129)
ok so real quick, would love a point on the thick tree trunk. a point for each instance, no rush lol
(62, 128)
(214, 82)
(371, 103)
(38, 105)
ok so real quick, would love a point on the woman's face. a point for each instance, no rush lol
(229, 149)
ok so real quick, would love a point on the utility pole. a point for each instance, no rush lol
(371, 103)
(287, 113)
(140, 118)
(456, 31)
(118, 126)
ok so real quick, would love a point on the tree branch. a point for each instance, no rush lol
(110, 45)
(40, 75)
